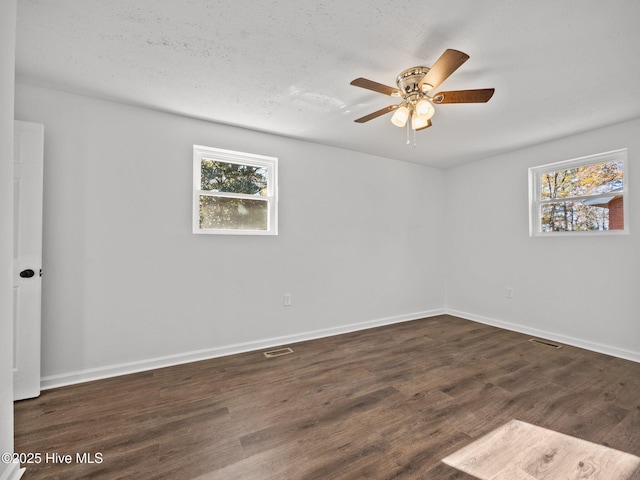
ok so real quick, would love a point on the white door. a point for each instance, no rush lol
(27, 257)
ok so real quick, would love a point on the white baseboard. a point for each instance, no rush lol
(12, 472)
(573, 341)
(54, 381)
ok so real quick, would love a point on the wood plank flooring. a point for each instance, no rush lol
(385, 403)
(521, 451)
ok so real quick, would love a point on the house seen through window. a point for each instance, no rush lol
(234, 192)
(581, 195)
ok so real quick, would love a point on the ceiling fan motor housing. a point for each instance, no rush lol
(408, 81)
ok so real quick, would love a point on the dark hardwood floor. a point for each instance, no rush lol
(385, 403)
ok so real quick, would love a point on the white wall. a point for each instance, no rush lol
(7, 62)
(581, 290)
(127, 286)
(125, 280)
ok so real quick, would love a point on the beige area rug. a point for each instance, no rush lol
(521, 451)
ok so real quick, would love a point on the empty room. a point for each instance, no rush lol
(319, 240)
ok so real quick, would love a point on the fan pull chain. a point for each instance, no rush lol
(409, 135)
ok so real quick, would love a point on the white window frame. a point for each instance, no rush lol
(230, 156)
(535, 202)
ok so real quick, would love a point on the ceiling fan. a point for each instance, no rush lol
(414, 85)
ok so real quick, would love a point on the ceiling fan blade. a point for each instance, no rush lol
(376, 87)
(373, 115)
(448, 63)
(481, 95)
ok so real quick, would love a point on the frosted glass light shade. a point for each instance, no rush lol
(400, 117)
(425, 109)
(418, 122)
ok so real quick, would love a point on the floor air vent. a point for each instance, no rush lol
(278, 353)
(546, 343)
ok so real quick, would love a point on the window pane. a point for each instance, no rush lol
(221, 176)
(226, 213)
(583, 180)
(604, 213)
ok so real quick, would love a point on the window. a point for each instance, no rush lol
(234, 192)
(578, 196)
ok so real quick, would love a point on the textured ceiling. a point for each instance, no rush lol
(559, 67)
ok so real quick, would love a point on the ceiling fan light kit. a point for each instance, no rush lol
(400, 117)
(414, 85)
(418, 122)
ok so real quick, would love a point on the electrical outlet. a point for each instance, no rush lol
(508, 292)
(287, 299)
